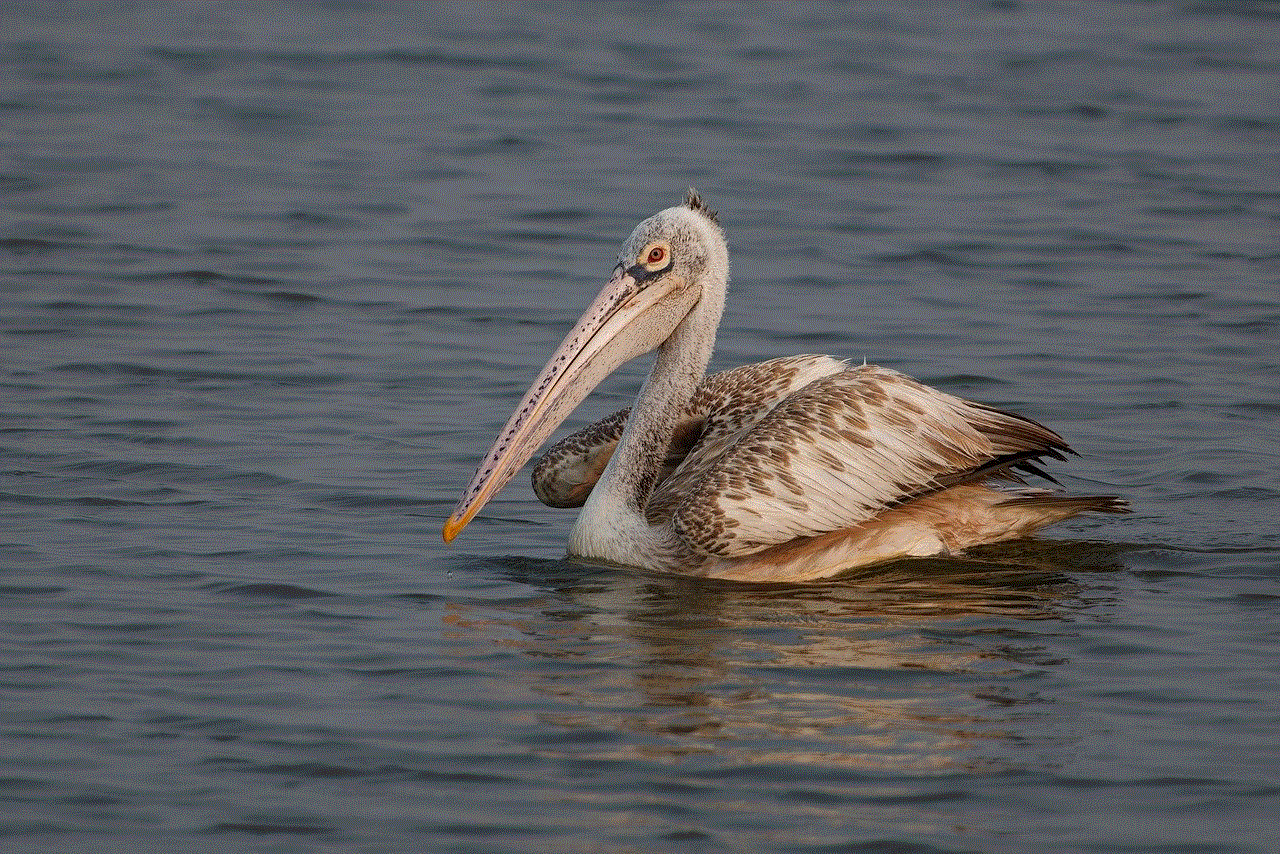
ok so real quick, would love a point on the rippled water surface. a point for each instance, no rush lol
(272, 276)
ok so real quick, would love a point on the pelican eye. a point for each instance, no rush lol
(655, 258)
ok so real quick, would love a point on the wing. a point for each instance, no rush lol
(724, 404)
(843, 449)
(565, 474)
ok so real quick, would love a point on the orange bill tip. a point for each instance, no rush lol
(453, 527)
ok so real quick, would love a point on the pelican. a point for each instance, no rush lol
(787, 470)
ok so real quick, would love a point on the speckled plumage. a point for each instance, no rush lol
(840, 451)
(790, 469)
(784, 452)
(723, 405)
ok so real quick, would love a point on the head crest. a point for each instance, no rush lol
(694, 202)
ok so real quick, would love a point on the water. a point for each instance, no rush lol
(273, 275)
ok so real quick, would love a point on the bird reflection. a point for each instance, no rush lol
(918, 665)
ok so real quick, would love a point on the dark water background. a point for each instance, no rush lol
(272, 275)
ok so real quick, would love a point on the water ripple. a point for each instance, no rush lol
(270, 283)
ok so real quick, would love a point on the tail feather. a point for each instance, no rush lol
(1069, 505)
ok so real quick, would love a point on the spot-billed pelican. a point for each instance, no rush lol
(786, 470)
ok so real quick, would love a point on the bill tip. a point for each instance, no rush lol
(452, 527)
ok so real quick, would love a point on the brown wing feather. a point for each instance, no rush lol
(722, 406)
(842, 450)
(565, 474)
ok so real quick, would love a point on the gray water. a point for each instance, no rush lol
(272, 276)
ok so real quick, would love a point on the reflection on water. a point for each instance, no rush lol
(269, 281)
(924, 665)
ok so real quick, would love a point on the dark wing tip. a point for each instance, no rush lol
(693, 201)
